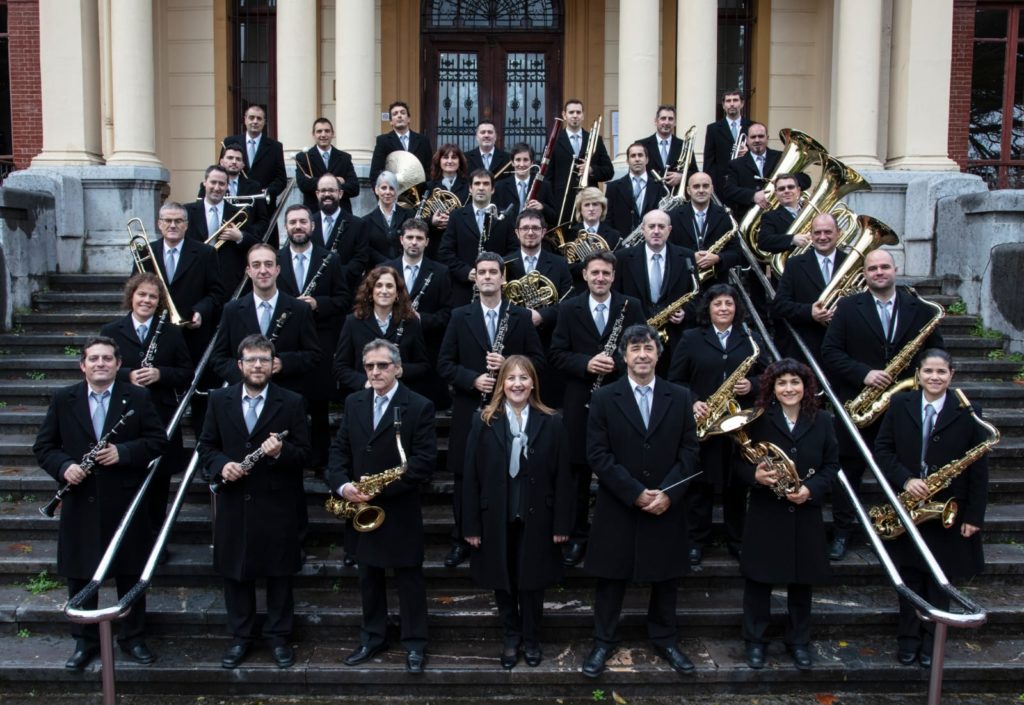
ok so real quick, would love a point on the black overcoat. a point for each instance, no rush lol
(801, 284)
(340, 164)
(357, 332)
(461, 243)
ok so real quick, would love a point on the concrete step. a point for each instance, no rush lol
(79, 302)
(83, 283)
(970, 347)
(60, 322)
(40, 367)
(41, 344)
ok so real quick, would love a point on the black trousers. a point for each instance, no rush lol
(132, 627)
(661, 612)
(844, 518)
(581, 475)
(159, 490)
(412, 603)
(757, 602)
(913, 633)
(699, 502)
(457, 536)
(240, 602)
(520, 610)
(319, 430)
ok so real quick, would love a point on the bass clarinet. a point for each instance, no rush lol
(150, 356)
(609, 347)
(247, 464)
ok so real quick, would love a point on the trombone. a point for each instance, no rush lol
(138, 244)
(239, 219)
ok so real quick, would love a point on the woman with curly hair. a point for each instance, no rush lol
(784, 537)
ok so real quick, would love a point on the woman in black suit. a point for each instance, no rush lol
(784, 537)
(958, 549)
(449, 171)
(517, 504)
(383, 225)
(703, 360)
(382, 310)
(167, 373)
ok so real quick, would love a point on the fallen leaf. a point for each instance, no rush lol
(825, 698)
(867, 651)
(19, 548)
(70, 333)
(618, 698)
(446, 600)
(843, 644)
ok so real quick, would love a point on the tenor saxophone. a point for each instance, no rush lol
(660, 320)
(719, 403)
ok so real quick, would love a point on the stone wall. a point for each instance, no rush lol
(28, 248)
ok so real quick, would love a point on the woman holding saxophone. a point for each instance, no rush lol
(784, 537)
(708, 357)
(908, 459)
(517, 504)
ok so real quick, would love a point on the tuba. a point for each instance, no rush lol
(884, 517)
(409, 173)
(849, 277)
(138, 244)
(533, 290)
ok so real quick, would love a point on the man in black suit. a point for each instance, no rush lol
(264, 157)
(256, 532)
(567, 159)
(772, 234)
(213, 214)
(77, 418)
(803, 280)
(515, 191)
(473, 229)
(721, 136)
(866, 332)
(285, 320)
(642, 445)
(469, 360)
(635, 194)
(323, 158)
(664, 149)
(400, 138)
(305, 261)
(233, 160)
(583, 349)
(366, 445)
(744, 178)
(700, 223)
(486, 154)
(336, 229)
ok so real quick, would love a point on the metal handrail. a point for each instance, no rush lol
(974, 615)
(105, 615)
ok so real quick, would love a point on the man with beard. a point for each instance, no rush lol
(636, 193)
(324, 158)
(744, 178)
(336, 229)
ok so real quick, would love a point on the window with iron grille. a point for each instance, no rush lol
(253, 77)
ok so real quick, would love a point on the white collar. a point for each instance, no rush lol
(633, 385)
(138, 323)
(594, 303)
(937, 404)
(272, 301)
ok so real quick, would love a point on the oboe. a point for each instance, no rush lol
(498, 347)
(87, 463)
(247, 463)
(609, 347)
(150, 356)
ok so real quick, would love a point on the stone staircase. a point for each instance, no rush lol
(854, 619)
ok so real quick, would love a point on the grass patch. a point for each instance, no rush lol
(957, 308)
(35, 375)
(24, 633)
(42, 583)
(72, 351)
(980, 331)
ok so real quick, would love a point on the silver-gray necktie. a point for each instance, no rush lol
(655, 277)
(599, 318)
(926, 432)
(252, 151)
(379, 403)
(99, 414)
(645, 404)
(300, 270)
(171, 263)
(265, 313)
(250, 414)
(492, 325)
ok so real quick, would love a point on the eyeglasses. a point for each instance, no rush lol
(371, 366)
(257, 360)
(787, 187)
(530, 228)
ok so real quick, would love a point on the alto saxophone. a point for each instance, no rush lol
(720, 402)
(884, 517)
(867, 406)
(716, 247)
(365, 516)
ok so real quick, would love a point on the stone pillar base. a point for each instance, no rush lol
(28, 248)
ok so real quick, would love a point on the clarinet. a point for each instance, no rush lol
(87, 464)
(278, 325)
(609, 347)
(247, 463)
(498, 347)
(491, 214)
(311, 286)
(150, 356)
(416, 301)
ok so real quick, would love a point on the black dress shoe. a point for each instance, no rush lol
(82, 657)
(533, 656)
(755, 655)
(925, 659)
(414, 661)
(734, 550)
(676, 658)
(696, 555)
(284, 655)
(594, 665)
(573, 554)
(349, 561)
(458, 553)
(509, 657)
(906, 657)
(801, 657)
(838, 548)
(364, 654)
(139, 653)
(234, 656)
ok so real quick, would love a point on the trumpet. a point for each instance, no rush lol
(238, 220)
(138, 244)
(250, 200)
(738, 145)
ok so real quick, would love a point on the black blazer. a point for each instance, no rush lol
(675, 149)
(296, 345)
(359, 449)
(259, 212)
(460, 187)
(387, 143)
(561, 172)
(357, 332)
(499, 158)
(231, 255)
(740, 180)
(551, 266)
(622, 213)
(625, 542)
(800, 286)
(783, 542)
(610, 235)
(506, 192)
(718, 143)
(898, 451)
(435, 307)
(460, 245)
(350, 235)
(340, 162)
(631, 277)
(771, 235)
(716, 224)
(91, 512)
(573, 343)
(381, 239)
(547, 484)
(256, 529)
(267, 169)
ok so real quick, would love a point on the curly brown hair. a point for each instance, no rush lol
(809, 405)
(363, 307)
(443, 151)
(138, 280)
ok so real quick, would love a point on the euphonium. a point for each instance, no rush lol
(533, 290)
(365, 516)
(138, 244)
(849, 276)
(884, 517)
(722, 400)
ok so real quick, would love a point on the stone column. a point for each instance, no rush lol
(355, 60)
(69, 61)
(696, 59)
(922, 36)
(638, 73)
(296, 77)
(133, 76)
(856, 58)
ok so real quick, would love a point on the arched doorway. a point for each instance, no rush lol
(491, 59)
